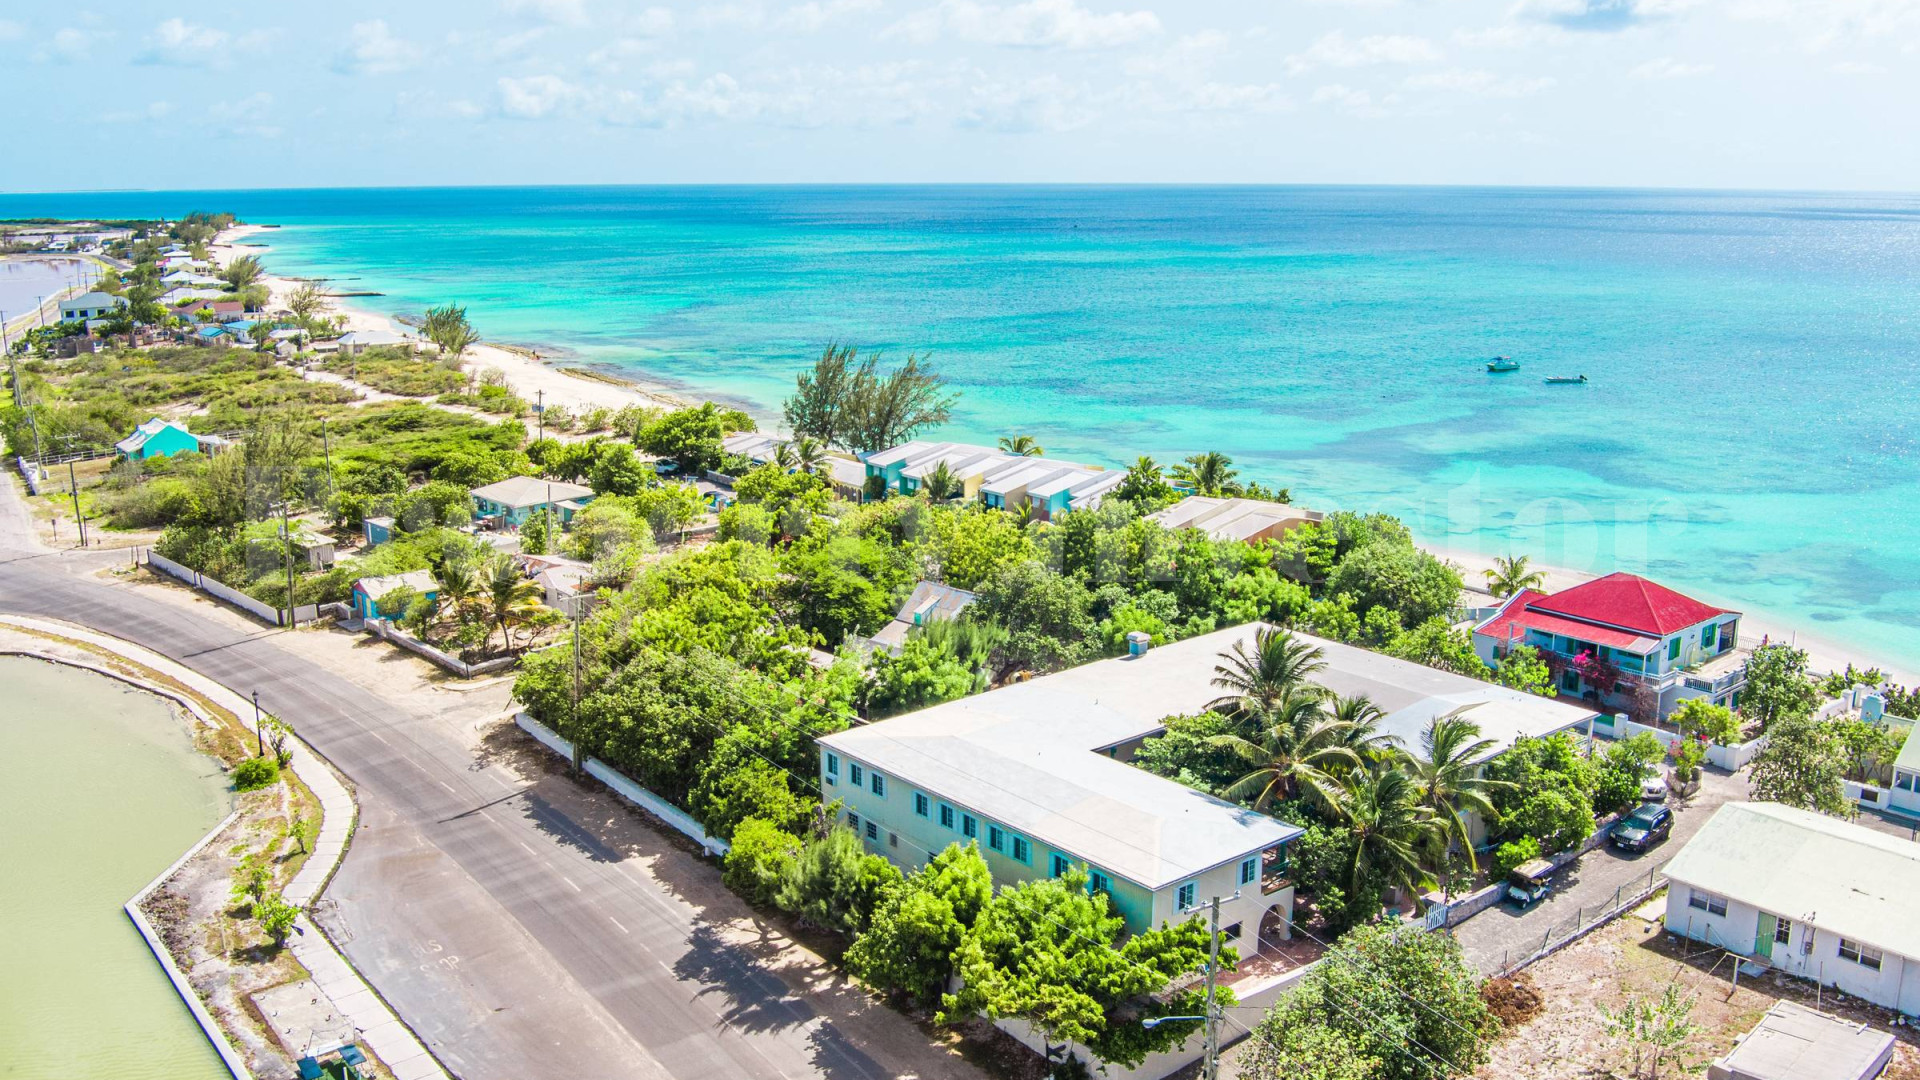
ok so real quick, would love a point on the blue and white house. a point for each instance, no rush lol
(998, 479)
(513, 500)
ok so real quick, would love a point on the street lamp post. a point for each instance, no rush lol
(1210, 1067)
(259, 739)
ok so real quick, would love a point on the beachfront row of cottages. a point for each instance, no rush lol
(1037, 774)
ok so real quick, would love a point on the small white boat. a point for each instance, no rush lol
(1565, 380)
(1503, 363)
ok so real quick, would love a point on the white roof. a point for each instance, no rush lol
(1840, 877)
(757, 445)
(524, 491)
(1025, 756)
(148, 430)
(373, 337)
(565, 579)
(1089, 492)
(1073, 479)
(1022, 474)
(846, 473)
(89, 300)
(1229, 519)
(420, 581)
(1793, 1042)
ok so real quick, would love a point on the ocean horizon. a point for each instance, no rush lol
(1747, 433)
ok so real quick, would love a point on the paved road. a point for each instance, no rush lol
(528, 928)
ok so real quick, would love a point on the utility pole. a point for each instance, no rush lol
(573, 737)
(41, 310)
(73, 488)
(1211, 1070)
(259, 740)
(286, 552)
(327, 449)
(540, 411)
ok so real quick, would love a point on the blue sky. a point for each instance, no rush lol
(1712, 93)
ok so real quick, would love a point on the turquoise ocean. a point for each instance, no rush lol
(1748, 431)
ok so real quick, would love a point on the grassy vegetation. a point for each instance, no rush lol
(397, 371)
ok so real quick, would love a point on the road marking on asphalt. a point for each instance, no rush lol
(616, 922)
(530, 851)
(449, 787)
(569, 881)
(382, 738)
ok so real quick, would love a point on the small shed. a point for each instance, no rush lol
(368, 591)
(377, 530)
(1793, 1042)
(930, 601)
(160, 438)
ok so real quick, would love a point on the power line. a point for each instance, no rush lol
(810, 783)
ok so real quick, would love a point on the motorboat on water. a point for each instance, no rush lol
(1503, 363)
(1565, 380)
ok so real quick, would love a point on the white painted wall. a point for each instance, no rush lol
(1895, 986)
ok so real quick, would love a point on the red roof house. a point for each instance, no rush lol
(1655, 637)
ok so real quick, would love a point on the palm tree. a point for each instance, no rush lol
(1382, 807)
(940, 484)
(1509, 575)
(809, 456)
(1279, 662)
(1295, 750)
(1210, 473)
(1022, 445)
(1363, 735)
(1447, 771)
(458, 586)
(510, 596)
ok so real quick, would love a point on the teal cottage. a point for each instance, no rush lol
(513, 500)
(164, 438)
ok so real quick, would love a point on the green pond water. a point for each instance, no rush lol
(104, 791)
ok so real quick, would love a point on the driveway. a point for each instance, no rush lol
(524, 926)
(1588, 883)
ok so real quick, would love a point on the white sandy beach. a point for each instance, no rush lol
(529, 376)
(531, 379)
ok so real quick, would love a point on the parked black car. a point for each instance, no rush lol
(1643, 828)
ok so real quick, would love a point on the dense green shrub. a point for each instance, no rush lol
(256, 773)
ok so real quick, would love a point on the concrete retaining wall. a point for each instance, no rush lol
(266, 614)
(229, 1055)
(387, 631)
(632, 792)
(1731, 758)
(1259, 996)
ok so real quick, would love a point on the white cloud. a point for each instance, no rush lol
(373, 50)
(1048, 103)
(1235, 98)
(11, 31)
(1666, 67)
(1335, 49)
(1603, 16)
(246, 117)
(812, 15)
(1042, 24)
(1348, 99)
(1191, 53)
(535, 96)
(181, 43)
(558, 12)
(1858, 67)
(66, 46)
(1478, 82)
(1521, 35)
(1826, 24)
(155, 110)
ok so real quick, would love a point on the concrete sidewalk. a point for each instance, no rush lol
(379, 1029)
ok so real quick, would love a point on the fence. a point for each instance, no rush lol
(269, 615)
(1731, 758)
(29, 473)
(653, 804)
(381, 628)
(1585, 918)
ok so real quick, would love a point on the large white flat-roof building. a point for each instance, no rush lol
(1251, 520)
(1806, 894)
(1038, 773)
